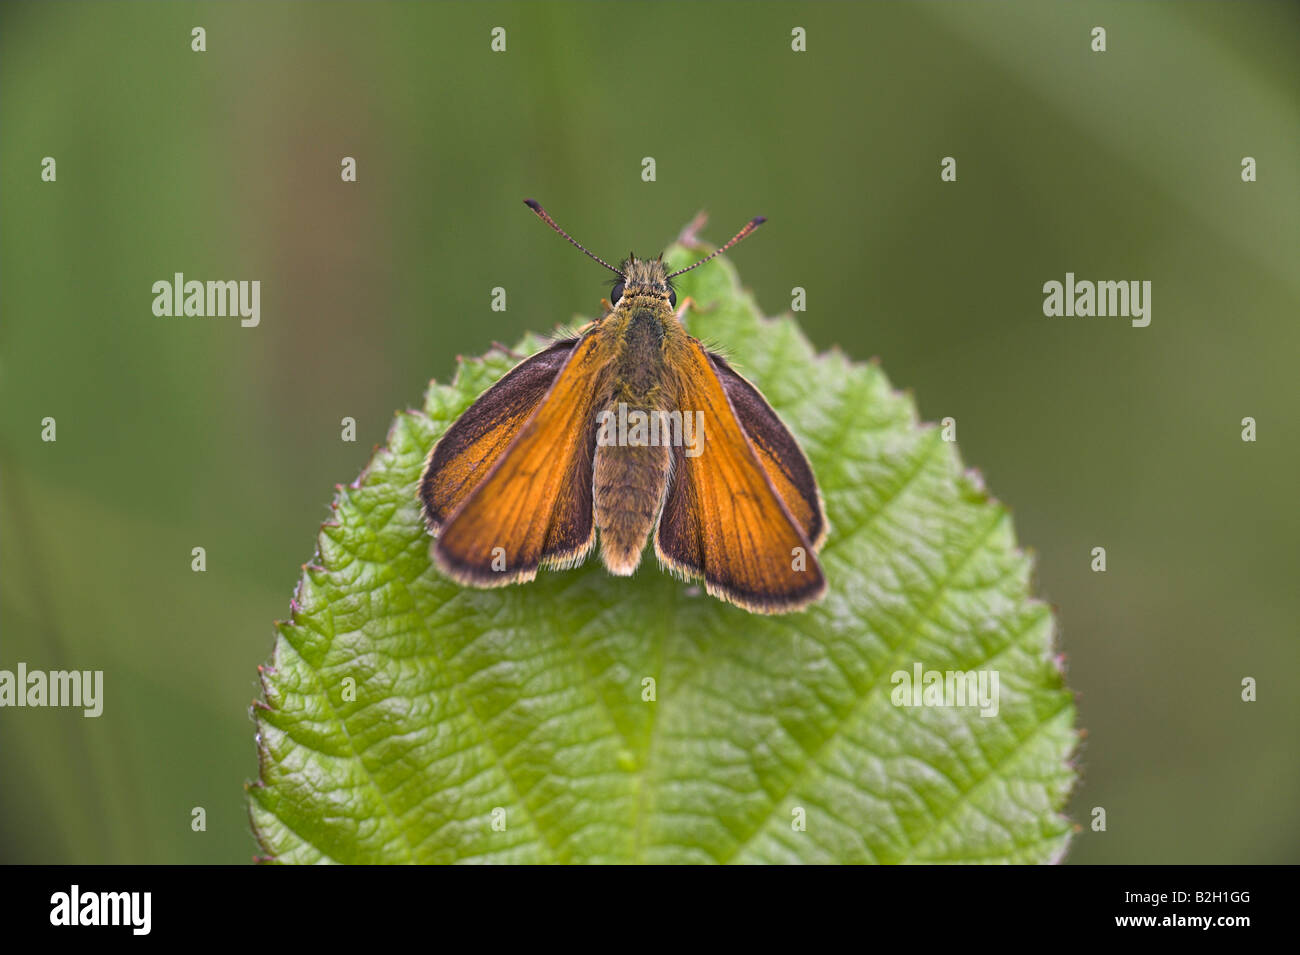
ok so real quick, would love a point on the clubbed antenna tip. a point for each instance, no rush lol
(542, 214)
(748, 228)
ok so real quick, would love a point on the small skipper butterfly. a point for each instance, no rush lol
(629, 427)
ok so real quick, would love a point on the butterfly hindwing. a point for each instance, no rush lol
(533, 507)
(723, 519)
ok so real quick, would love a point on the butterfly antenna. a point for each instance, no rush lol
(750, 226)
(545, 217)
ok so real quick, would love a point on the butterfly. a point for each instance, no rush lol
(629, 428)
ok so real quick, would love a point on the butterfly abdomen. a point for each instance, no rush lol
(628, 484)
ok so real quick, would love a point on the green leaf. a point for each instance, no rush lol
(402, 710)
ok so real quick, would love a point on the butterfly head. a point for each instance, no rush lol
(643, 283)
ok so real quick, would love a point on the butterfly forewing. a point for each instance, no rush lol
(474, 443)
(534, 506)
(723, 518)
(777, 451)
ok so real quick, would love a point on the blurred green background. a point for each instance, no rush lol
(176, 433)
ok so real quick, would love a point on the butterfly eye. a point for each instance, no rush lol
(615, 293)
(672, 297)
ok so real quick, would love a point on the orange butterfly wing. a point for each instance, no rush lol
(534, 506)
(777, 451)
(723, 519)
(477, 439)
